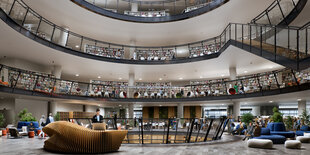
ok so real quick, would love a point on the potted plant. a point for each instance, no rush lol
(57, 116)
(2, 121)
(25, 118)
(247, 118)
(289, 123)
(277, 116)
(305, 118)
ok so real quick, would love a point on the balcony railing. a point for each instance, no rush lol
(150, 11)
(261, 83)
(263, 40)
(163, 131)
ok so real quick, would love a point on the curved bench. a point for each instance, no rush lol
(66, 137)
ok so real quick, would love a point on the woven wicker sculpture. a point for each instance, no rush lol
(66, 137)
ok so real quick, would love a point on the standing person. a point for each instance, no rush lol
(42, 124)
(50, 119)
(97, 118)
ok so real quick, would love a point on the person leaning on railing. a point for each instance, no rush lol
(97, 118)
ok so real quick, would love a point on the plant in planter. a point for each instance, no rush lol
(2, 121)
(26, 116)
(178, 95)
(289, 123)
(305, 118)
(57, 116)
(277, 116)
(247, 118)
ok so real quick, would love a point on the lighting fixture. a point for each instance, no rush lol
(120, 78)
(271, 67)
(77, 75)
(77, 46)
(99, 77)
(160, 79)
(180, 78)
(299, 99)
(201, 77)
(120, 105)
(222, 75)
(270, 101)
(160, 105)
(140, 79)
(245, 71)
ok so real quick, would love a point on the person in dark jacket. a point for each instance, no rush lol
(97, 118)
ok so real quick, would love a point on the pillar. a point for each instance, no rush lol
(236, 110)
(130, 111)
(63, 36)
(134, 7)
(256, 110)
(180, 110)
(131, 84)
(56, 71)
(301, 106)
(232, 73)
(52, 108)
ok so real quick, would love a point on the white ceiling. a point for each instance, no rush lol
(15, 45)
(92, 25)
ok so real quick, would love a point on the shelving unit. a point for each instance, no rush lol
(162, 54)
(203, 50)
(112, 87)
(104, 51)
(151, 13)
(161, 89)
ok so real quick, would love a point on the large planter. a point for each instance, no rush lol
(31, 134)
(4, 132)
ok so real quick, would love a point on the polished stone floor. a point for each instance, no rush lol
(227, 146)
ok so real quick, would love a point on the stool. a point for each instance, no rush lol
(260, 143)
(4, 132)
(306, 134)
(292, 144)
(303, 139)
(31, 134)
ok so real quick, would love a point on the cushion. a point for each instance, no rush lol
(270, 126)
(304, 128)
(292, 144)
(287, 134)
(307, 134)
(279, 126)
(276, 139)
(299, 133)
(265, 131)
(303, 139)
(260, 143)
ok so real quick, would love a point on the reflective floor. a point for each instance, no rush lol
(228, 145)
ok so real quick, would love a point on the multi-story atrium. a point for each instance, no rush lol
(155, 76)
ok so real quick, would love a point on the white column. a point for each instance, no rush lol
(56, 71)
(256, 110)
(232, 73)
(130, 110)
(52, 107)
(302, 105)
(134, 7)
(236, 110)
(63, 36)
(180, 110)
(131, 83)
(5, 75)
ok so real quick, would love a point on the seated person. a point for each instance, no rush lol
(97, 118)
(30, 127)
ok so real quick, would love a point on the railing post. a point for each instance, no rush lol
(209, 128)
(191, 130)
(275, 44)
(261, 40)
(306, 41)
(168, 128)
(141, 122)
(23, 22)
(12, 7)
(275, 76)
(298, 54)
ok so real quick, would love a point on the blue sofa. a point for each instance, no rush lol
(303, 129)
(266, 134)
(278, 128)
(21, 124)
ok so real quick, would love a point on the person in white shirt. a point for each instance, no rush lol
(42, 124)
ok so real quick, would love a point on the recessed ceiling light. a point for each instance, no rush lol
(270, 101)
(77, 75)
(271, 67)
(77, 46)
(140, 79)
(222, 75)
(140, 105)
(180, 78)
(99, 105)
(160, 105)
(245, 71)
(120, 105)
(299, 99)
(160, 79)
(99, 77)
(120, 78)
(222, 104)
(201, 77)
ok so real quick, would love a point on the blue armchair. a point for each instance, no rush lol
(266, 134)
(278, 128)
(303, 129)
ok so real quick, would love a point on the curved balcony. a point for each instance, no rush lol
(150, 11)
(262, 84)
(23, 19)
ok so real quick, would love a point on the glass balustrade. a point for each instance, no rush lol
(48, 84)
(273, 42)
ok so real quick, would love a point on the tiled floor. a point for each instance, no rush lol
(227, 146)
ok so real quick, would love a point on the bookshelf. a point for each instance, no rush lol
(160, 54)
(108, 52)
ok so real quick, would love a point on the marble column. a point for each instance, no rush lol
(256, 110)
(131, 84)
(63, 36)
(180, 110)
(52, 108)
(302, 105)
(130, 110)
(232, 73)
(236, 110)
(56, 71)
(134, 7)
